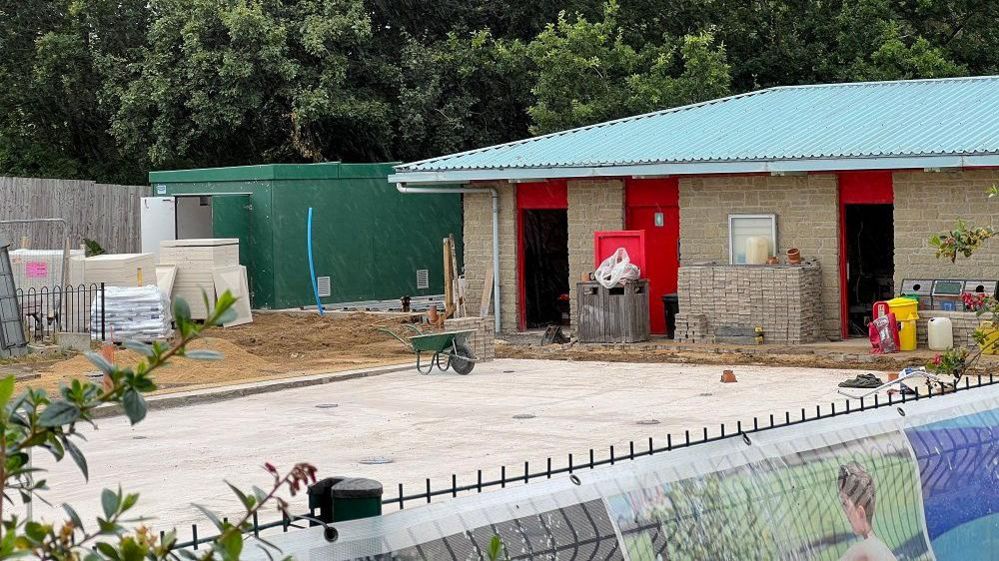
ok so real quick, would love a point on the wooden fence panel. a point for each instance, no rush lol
(107, 214)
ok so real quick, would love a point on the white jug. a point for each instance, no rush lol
(940, 334)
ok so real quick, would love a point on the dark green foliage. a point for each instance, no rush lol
(110, 90)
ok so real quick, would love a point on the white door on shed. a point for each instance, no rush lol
(159, 222)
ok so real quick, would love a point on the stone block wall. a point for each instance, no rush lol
(594, 205)
(929, 203)
(478, 238)
(781, 299)
(483, 342)
(807, 210)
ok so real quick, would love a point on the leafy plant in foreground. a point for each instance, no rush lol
(35, 420)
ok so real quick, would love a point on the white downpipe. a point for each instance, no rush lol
(401, 187)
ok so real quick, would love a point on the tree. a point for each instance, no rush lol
(231, 82)
(53, 57)
(36, 421)
(461, 93)
(586, 73)
(878, 43)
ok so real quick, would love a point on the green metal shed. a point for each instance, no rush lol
(370, 240)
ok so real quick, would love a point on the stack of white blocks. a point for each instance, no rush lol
(42, 268)
(121, 269)
(197, 261)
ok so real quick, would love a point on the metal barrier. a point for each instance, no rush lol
(910, 478)
(651, 446)
(49, 310)
(598, 539)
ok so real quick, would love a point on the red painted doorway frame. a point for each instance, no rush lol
(542, 195)
(644, 198)
(857, 188)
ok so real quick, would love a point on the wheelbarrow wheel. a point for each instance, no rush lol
(460, 358)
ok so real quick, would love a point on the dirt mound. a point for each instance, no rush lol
(275, 345)
(236, 365)
(280, 336)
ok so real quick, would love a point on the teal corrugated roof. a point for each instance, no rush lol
(903, 119)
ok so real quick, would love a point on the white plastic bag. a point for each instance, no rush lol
(616, 269)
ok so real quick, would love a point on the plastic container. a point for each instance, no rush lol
(880, 309)
(990, 346)
(947, 295)
(907, 335)
(757, 250)
(605, 243)
(940, 334)
(904, 308)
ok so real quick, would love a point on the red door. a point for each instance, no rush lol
(653, 206)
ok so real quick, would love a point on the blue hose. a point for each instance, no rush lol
(312, 264)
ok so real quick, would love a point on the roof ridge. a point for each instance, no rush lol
(885, 82)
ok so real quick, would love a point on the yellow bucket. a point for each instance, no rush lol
(990, 346)
(903, 308)
(907, 335)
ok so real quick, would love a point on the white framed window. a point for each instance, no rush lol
(745, 229)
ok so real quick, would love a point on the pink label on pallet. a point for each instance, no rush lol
(37, 269)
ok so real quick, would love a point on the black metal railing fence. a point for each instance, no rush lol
(75, 309)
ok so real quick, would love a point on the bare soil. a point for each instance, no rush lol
(275, 345)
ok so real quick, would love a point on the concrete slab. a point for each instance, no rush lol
(79, 342)
(430, 426)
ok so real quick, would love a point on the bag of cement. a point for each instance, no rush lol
(617, 269)
(132, 313)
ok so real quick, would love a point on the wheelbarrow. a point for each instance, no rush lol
(450, 350)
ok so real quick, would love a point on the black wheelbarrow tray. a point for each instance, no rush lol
(448, 349)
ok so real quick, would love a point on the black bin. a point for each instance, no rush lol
(671, 305)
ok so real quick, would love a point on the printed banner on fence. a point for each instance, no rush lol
(918, 482)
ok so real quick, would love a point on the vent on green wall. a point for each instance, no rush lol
(323, 286)
(422, 279)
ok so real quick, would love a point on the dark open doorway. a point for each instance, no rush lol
(870, 249)
(546, 267)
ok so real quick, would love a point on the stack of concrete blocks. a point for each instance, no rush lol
(782, 299)
(964, 324)
(483, 341)
(197, 262)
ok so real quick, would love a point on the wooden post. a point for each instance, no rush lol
(487, 292)
(458, 291)
(448, 281)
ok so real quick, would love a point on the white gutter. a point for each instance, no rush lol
(403, 175)
(402, 188)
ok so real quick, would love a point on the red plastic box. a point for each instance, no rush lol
(606, 243)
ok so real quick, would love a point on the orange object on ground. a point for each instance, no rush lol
(728, 377)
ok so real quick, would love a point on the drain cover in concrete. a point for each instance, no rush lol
(138, 437)
(327, 405)
(376, 460)
(705, 394)
(523, 416)
(509, 371)
(648, 422)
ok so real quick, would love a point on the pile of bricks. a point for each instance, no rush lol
(483, 341)
(785, 300)
(692, 328)
(964, 324)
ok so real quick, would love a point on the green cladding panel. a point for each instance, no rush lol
(367, 237)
